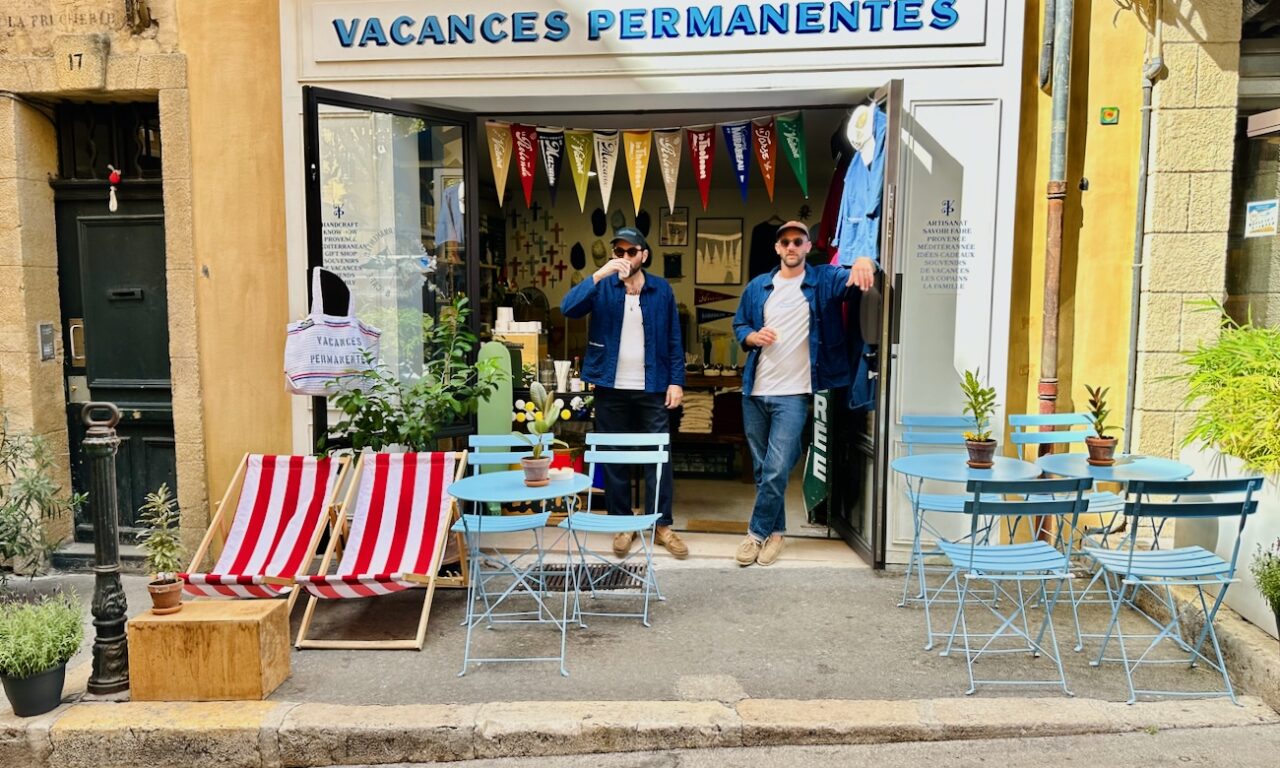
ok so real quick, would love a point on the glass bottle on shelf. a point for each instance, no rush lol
(575, 376)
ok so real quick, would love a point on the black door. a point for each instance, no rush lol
(111, 273)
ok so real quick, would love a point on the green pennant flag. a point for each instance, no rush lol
(791, 133)
(578, 150)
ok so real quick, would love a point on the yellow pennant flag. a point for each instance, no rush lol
(499, 135)
(578, 149)
(636, 144)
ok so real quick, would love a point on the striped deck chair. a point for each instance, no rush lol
(393, 540)
(282, 506)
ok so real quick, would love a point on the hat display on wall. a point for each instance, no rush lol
(577, 256)
(599, 253)
(643, 222)
(617, 220)
(598, 223)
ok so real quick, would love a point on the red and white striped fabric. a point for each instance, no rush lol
(281, 504)
(402, 505)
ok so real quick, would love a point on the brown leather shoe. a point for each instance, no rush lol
(666, 537)
(622, 543)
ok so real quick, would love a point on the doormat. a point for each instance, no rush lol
(696, 525)
(606, 576)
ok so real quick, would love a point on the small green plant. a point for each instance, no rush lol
(980, 402)
(29, 498)
(1098, 410)
(37, 636)
(1266, 574)
(1233, 391)
(160, 540)
(545, 414)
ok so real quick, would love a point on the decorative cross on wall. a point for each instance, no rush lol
(528, 248)
(519, 239)
(546, 220)
(514, 263)
(514, 218)
(533, 210)
(556, 230)
(559, 268)
(553, 252)
(543, 274)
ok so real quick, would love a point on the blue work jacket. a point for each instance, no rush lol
(858, 224)
(824, 287)
(606, 302)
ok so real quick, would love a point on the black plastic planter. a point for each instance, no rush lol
(35, 695)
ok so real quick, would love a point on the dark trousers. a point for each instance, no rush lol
(629, 410)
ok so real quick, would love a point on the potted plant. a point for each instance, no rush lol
(540, 422)
(1102, 447)
(28, 498)
(980, 402)
(1266, 576)
(163, 547)
(36, 640)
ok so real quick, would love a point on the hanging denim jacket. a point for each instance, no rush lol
(858, 226)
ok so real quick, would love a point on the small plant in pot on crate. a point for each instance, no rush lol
(980, 402)
(1102, 447)
(36, 641)
(163, 547)
(541, 419)
(1266, 575)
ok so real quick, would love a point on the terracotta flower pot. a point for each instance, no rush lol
(981, 453)
(536, 471)
(166, 596)
(1102, 451)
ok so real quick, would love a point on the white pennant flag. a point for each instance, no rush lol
(669, 145)
(606, 146)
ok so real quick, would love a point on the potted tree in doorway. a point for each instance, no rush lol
(163, 547)
(1102, 447)
(541, 420)
(36, 641)
(980, 402)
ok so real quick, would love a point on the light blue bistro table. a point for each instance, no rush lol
(948, 468)
(525, 570)
(1127, 467)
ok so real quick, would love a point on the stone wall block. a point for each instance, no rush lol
(1209, 209)
(1161, 322)
(80, 62)
(1153, 432)
(1202, 21)
(1159, 385)
(175, 127)
(1178, 87)
(1168, 198)
(122, 72)
(1218, 78)
(1185, 263)
(162, 71)
(1198, 325)
(35, 216)
(1194, 139)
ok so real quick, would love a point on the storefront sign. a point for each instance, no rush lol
(427, 29)
(816, 483)
(1260, 218)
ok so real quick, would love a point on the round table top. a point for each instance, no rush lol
(1127, 467)
(509, 486)
(951, 467)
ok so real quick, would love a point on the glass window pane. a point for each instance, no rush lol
(1253, 256)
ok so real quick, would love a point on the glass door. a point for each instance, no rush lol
(387, 213)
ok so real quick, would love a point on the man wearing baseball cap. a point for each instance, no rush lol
(635, 358)
(790, 322)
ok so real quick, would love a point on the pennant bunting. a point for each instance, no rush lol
(499, 135)
(704, 296)
(764, 138)
(702, 147)
(577, 145)
(525, 138)
(711, 315)
(737, 139)
(635, 145)
(606, 150)
(791, 133)
(551, 144)
(668, 146)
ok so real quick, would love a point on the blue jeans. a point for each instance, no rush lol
(775, 432)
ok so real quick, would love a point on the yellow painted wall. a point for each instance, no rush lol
(237, 199)
(1098, 225)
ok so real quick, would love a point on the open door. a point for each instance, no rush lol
(387, 185)
(858, 509)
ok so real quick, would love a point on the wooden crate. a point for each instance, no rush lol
(211, 650)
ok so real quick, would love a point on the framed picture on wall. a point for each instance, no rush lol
(673, 226)
(718, 252)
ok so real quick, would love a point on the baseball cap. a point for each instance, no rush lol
(792, 225)
(631, 235)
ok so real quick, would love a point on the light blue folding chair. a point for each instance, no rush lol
(589, 570)
(931, 433)
(1008, 568)
(1128, 569)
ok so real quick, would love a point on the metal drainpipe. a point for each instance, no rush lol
(1046, 47)
(1152, 70)
(1047, 390)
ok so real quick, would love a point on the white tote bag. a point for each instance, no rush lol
(325, 354)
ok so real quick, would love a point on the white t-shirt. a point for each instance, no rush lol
(630, 371)
(783, 368)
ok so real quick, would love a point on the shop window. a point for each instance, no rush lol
(94, 136)
(1253, 253)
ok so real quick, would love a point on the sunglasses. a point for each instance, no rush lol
(796, 241)
(620, 252)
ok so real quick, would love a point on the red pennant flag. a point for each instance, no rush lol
(702, 149)
(525, 138)
(765, 138)
(703, 296)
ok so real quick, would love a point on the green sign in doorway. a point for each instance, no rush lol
(816, 484)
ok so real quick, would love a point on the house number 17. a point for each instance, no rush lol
(75, 61)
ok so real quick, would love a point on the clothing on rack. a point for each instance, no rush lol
(825, 239)
(763, 257)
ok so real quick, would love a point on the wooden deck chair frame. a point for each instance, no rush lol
(342, 529)
(220, 525)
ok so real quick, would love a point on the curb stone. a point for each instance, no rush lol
(288, 735)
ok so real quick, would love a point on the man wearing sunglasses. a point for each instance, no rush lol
(790, 322)
(635, 359)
